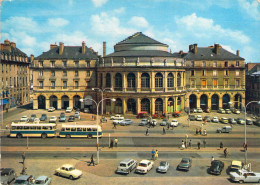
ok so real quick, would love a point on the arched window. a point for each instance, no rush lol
(131, 80)
(159, 106)
(170, 80)
(179, 80)
(158, 80)
(108, 80)
(145, 80)
(118, 80)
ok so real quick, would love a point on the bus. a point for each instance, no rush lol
(88, 131)
(43, 130)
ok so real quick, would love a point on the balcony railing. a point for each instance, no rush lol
(57, 88)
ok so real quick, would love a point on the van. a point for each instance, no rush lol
(225, 129)
(126, 166)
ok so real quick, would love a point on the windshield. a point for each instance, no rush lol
(184, 161)
(39, 182)
(20, 181)
(4, 173)
(163, 163)
(143, 164)
(123, 165)
(71, 169)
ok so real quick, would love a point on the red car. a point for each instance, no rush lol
(142, 115)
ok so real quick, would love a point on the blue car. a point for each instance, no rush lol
(126, 122)
(44, 180)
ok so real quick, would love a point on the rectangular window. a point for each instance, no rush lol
(237, 63)
(192, 83)
(226, 63)
(215, 82)
(226, 83)
(203, 63)
(41, 84)
(237, 72)
(41, 73)
(76, 73)
(52, 63)
(88, 73)
(237, 83)
(64, 73)
(192, 63)
(76, 84)
(192, 73)
(204, 73)
(87, 63)
(214, 72)
(203, 82)
(40, 63)
(53, 84)
(64, 63)
(64, 84)
(52, 73)
(76, 63)
(226, 72)
(214, 64)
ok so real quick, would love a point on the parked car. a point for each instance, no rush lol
(222, 111)
(24, 119)
(126, 166)
(224, 120)
(154, 122)
(86, 110)
(77, 114)
(164, 122)
(228, 111)
(71, 118)
(236, 111)
(199, 118)
(232, 121)
(22, 180)
(240, 121)
(194, 110)
(216, 167)
(33, 116)
(207, 118)
(225, 129)
(62, 117)
(36, 120)
(199, 110)
(242, 176)
(142, 115)
(249, 122)
(117, 117)
(144, 166)
(235, 166)
(176, 114)
(51, 109)
(69, 110)
(257, 122)
(126, 122)
(163, 167)
(215, 119)
(143, 122)
(44, 180)
(192, 117)
(185, 164)
(68, 170)
(53, 119)
(7, 175)
(207, 110)
(43, 117)
(174, 123)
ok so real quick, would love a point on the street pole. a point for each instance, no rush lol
(102, 94)
(109, 140)
(189, 111)
(97, 136)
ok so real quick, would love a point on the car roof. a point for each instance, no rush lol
(42, 177)
(6, 169)
(67, 165)
(126, 160)
(237, 163)
(144, 161)
(23, 177)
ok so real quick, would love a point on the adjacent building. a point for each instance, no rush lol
(14, 74)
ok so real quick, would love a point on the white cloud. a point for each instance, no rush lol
(119, 10)
(204, 28)
(58, 22)
(98, 3)
(252, 9)
(228, 48)
(140, 22)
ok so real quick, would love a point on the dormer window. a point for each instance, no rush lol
(52, 63)
(237, 63)
(204, 64)
(64, 63)
(226, 63)
(76, 63)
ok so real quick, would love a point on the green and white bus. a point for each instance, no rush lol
(88, 131)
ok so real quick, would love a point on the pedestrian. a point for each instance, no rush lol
(198, 145)
(24, 171)
(153, 153)
(147, 132)
(200, 131)
(225, 152)
(164, 132)
(111, 144)
(168, 126)
(92, 160)
(190, 143)
(116, 140)
(205, 121)
(114, 123)
(197, 132)
(245, 146)
(204, 143)
(212, 159)
(6, 127)
(221, 145)
(23, 157)
(92, 117)
(79, 117)
(185, 144)
(182, 142)
(156, 155)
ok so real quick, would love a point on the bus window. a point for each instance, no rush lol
(79, 129)
(73, 129)
(26, 128)
(89, 129)
(19, 128)
(63, 129)
(50, 128)
(94, 129)
(13, 128)
(84, 129)
(45, 128)
(38, 128)
(33, 128)
(67, 129)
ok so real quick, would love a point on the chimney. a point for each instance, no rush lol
(181, 52)
(7, 45)
(238, 52)
(13, 44)
(190, 47)
(195, 49)
(61, 48)
(53, 45)
(83, 49)
(104, 49)
(32, 58)
(216, 48)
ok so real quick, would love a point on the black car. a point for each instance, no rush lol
(185, 164)
(43, 117)
(71, 118)
(216, 167)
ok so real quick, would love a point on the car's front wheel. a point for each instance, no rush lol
(71, 177)
(241, 182)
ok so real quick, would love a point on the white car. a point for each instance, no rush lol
(242, 176)
(199, 110)
(24, 119)
(154, 122)
(215, 119)
(236, 111)
(117, 117)
(53, 119)
(174, 123)
(144, 166)
(67, 170)
(199, 118)
(36, 120)
(68, 110)
(51, 109)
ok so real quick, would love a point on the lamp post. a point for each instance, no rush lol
(97, 104)
(102, 95)
(245, 106)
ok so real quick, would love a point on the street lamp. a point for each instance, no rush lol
(102, 93)
(97, 105)
(189, 90)
(245, 106)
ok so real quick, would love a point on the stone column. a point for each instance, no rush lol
(175, 103)
(104, 81)
(152, 82)
(71, 102)
(124, 81)
(220, 101)
(124, 105)
(175, 80)
(165, 81)
(47, 103)
(35, 104)
(59, 103)
(152, 110)
(138, 105)
(138, 82)
(112, 81)
(112, 107)
(198, 101)
(209, 102)
(165, 104)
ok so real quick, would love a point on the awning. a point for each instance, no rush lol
(4, 101)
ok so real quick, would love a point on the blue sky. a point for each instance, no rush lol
(35, 24)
